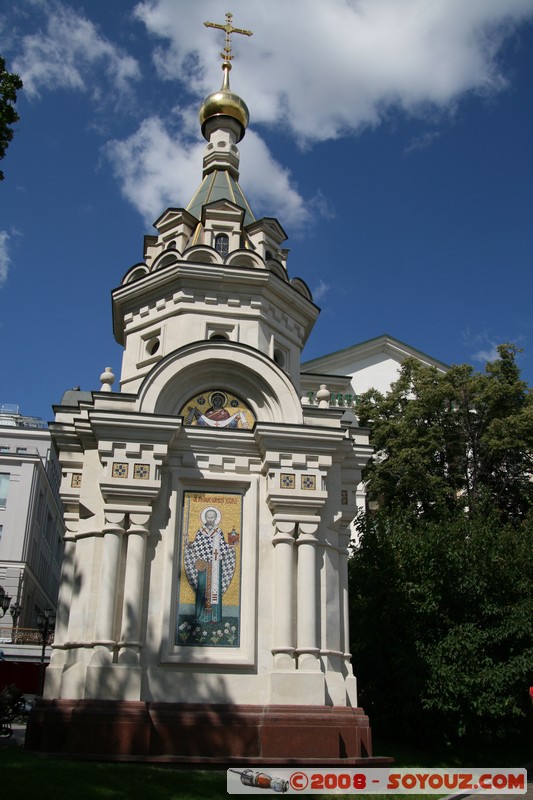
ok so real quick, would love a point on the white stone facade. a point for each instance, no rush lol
(204, 315)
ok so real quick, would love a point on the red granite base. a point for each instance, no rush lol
(198, 733)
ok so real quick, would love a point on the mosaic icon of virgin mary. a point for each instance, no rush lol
(217, 415)
(209, 565)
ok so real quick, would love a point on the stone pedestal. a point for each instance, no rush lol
(202, 733)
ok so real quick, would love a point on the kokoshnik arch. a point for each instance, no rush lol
(203, 608)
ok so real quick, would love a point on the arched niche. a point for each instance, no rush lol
(235, 368)
(275, 267)
(302, 288)
(136, 272)
(244, 258)
(165, 259)
(202, 254)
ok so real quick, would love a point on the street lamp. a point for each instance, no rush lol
(5, 600)
(15, 611)
(46, 621)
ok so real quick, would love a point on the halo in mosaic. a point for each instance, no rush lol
(309, 482)
(287, 480)
(217, 408)
(120, 469)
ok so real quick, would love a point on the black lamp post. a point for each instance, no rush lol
(5, 600)
(46, 621)
(15, 611)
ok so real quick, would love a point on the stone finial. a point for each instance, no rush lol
(107, 378)
(323, 396)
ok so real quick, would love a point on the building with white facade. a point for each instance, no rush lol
(203, 607)
(31, 521)
(348, 373)
(352, 371)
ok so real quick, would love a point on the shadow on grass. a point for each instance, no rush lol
(513, 752)
(24, 775)
(27, 776)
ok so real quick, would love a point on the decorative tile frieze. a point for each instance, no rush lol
(308, 482)
(120, 469)
(141, 472)
(75, 480)
(287, 480)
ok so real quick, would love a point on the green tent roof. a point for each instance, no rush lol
(219, 185)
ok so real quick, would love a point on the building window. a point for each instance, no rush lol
(222, 244)
(4, 483)
(279, 357)
(152, 346)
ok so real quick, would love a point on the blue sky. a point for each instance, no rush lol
(391, 139)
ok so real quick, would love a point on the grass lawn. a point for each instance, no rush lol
(30, 777)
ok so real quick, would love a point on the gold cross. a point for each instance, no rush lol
(229, 29)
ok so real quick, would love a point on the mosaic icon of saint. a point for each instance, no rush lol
(218, 416)
(210, 565)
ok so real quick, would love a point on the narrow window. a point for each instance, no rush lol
(4, 483)
(222, 244)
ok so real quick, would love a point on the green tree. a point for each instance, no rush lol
(10, 84)
(442, 582)
(442, 625)
(448, 440)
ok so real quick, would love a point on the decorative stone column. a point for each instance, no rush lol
(350, 679)
(130, 644)
(307, 645)
(64, 600)
(54, 670)
(284, 645)
(105, 640)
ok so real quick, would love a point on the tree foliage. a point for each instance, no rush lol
(448, 440)
(442, 625)
(10, 84)
(442, 582)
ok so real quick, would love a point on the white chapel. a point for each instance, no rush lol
(203, 606)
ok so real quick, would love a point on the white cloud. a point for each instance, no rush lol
(5, 259)
(421, 142)
(320, 69)
(483, 345)
(268, 185)
(157, 167)
(66, 54)
(487, 354)
(324, 68)
(320, 291)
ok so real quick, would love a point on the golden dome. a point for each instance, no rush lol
(225, 103)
